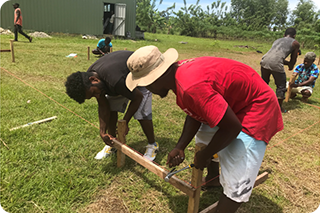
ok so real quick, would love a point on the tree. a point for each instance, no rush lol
(148, 17)
(305, 16)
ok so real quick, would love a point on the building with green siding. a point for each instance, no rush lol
(73, 16)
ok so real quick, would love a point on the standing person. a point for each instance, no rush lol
(111, 21)
(272, 63)
(307, 73)
(105, 80)
(104, 46)
(216, 92)
(18, 23)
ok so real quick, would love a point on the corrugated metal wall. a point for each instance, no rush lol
(66, 16)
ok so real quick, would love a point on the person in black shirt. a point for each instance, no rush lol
(105, 80)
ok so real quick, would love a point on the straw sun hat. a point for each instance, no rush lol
(147, 64)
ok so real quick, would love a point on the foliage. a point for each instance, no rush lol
(245, 19)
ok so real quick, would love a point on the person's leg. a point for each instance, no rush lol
(112, 127)
(144, 116)
(265, 75)
(16, 32)
(96, 52)
(240, 162)
(280, 81)
(22, 33)
(305, 95)
(226, 205)
(204, 136)
(147, 127)
(212, 178)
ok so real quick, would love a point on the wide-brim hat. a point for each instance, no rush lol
(147, 64)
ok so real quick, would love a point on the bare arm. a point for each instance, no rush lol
(18, 16)
(293, 56)
(100, 51)
(229, 128)
(190, 128)
(305, 83)
(133, 106)
(104, 118)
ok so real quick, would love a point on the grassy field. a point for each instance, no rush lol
(50, 167)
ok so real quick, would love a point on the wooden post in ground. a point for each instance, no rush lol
(88, 53)
(196, 181)
(12, 50)
(292, 79)
(121, 157)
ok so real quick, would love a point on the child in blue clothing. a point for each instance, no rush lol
(104, 46)
(307, 73)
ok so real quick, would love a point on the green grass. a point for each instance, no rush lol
(50, 167)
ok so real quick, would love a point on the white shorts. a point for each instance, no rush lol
(299, 89)
(144, 112)
(240, 162)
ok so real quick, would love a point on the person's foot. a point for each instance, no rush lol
(293, 95)
(105, 152)
(30, 39)
(151, 151)
(283, 110)
(304, 99)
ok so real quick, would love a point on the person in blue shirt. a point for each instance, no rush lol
(307, 73)
(104, 46)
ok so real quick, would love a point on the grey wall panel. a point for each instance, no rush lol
(66, 16)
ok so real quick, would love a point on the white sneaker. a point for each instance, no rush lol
(105, 152)
(151, 151)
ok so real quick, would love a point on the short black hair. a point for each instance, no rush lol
(16, 4)
(290, 31)
(107, 39)
(77, 84)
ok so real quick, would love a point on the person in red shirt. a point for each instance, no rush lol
(18, 23)
(217, 92)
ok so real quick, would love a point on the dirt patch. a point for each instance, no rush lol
(107, 202)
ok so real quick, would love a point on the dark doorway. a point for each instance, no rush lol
(108, 10)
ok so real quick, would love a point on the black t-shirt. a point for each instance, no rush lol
(112, 70)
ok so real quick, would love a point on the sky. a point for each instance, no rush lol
(179, 3)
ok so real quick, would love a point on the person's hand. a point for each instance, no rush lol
(200, 162)
(107, 140)
(175, 157)
(293, 85)
(127, 129)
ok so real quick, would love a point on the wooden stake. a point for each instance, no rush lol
(35, 122)
(260, 179)
(121, 157)
(4, 143)
(88, 53)
(292, 79)
(196, 180)
(12, 50)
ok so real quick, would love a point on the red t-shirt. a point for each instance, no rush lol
(207, 85)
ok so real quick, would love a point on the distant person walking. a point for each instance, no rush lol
(272, 63)
(18, 23)
(111, 21)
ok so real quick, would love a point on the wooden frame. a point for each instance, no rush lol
(196, 180)
(10, 50)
